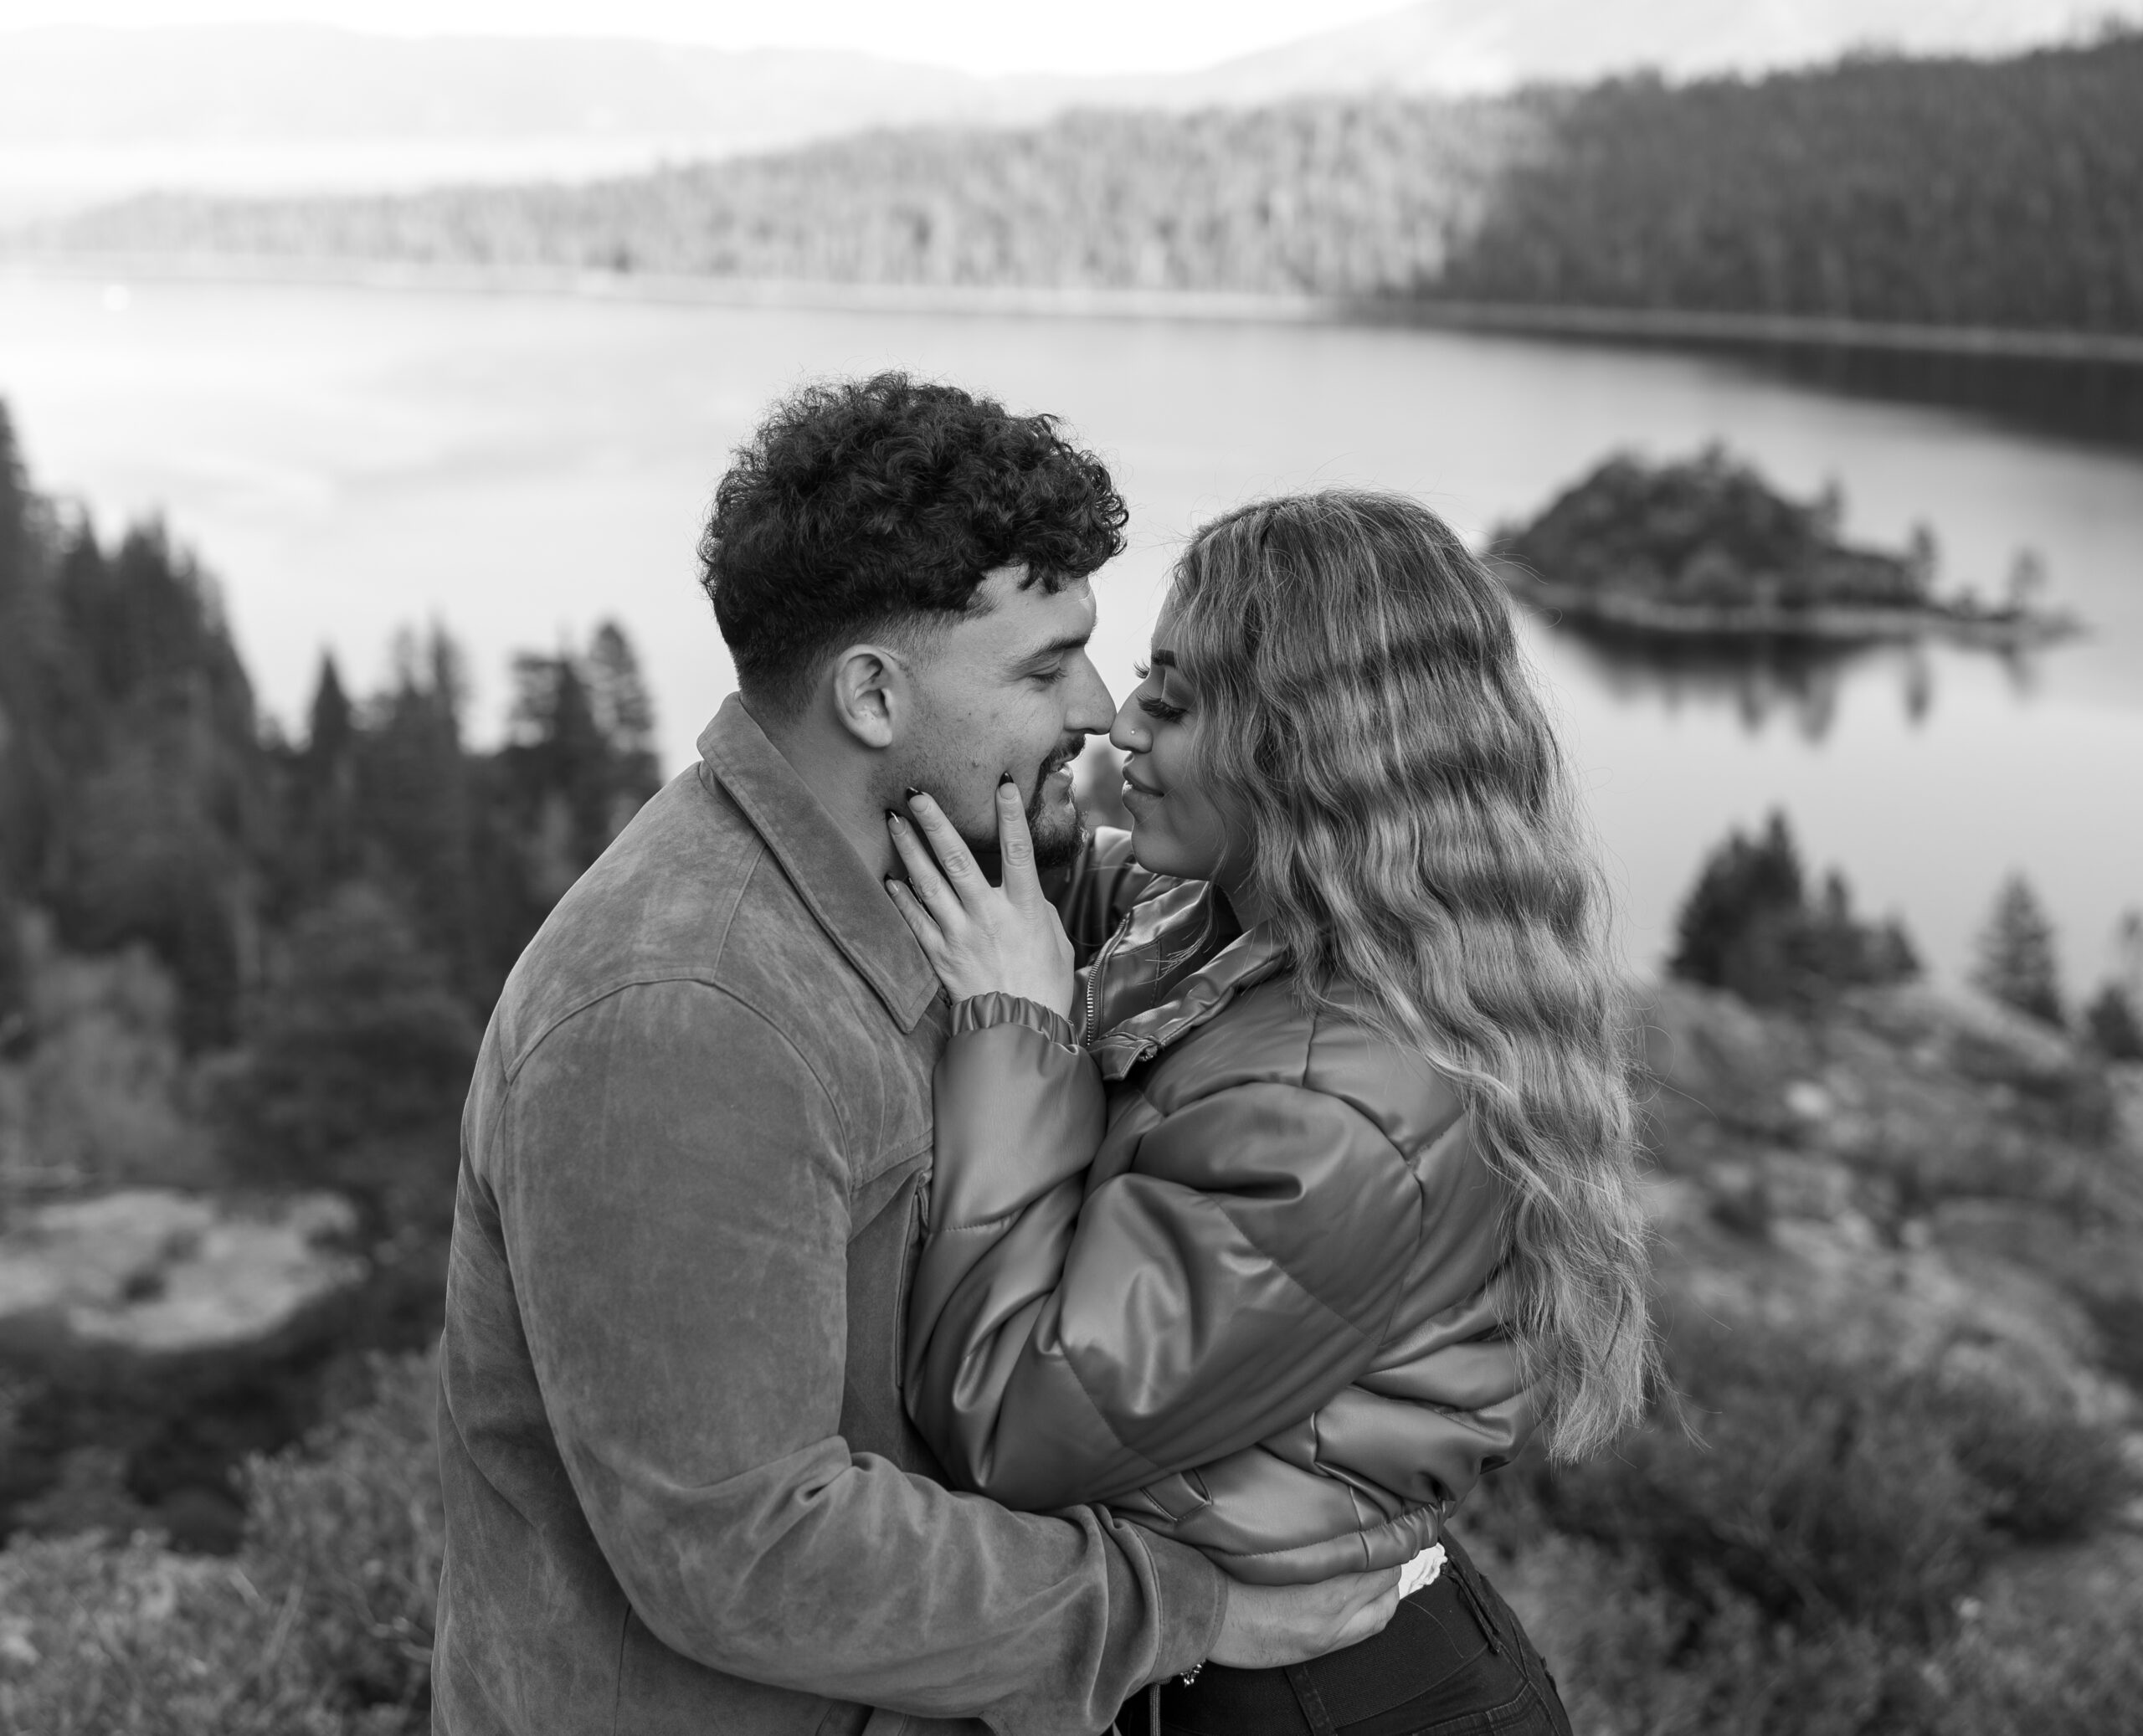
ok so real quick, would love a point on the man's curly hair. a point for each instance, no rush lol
(861, 505)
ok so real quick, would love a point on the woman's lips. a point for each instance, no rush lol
(1134, 791)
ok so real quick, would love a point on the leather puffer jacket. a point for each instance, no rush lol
(1230, 1268)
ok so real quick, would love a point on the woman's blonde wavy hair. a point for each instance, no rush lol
(1362, 703)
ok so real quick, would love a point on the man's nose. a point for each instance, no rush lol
(1091, 709)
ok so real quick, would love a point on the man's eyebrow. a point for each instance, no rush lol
(1060, 646)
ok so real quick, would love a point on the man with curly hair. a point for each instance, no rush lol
(682, 1494)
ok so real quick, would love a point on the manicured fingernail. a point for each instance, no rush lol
(913, 792)
(892, 816)
(1008, 778)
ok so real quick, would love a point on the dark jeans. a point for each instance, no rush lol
(1454, 1661)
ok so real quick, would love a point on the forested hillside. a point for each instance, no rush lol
(1953, 192)
(333, 918)
(1949, 192)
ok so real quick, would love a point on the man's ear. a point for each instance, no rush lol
(872, 693)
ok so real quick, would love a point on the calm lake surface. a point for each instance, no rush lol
(350, 461)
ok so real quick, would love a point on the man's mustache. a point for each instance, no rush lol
(1057, 762)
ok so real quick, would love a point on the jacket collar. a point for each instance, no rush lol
(1155, 933)
(819, 861)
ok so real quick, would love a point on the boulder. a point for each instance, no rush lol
(151, 1338)
(152, 1272)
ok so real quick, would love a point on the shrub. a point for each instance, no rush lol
(321, 1626)
(1829, 1492)
(136, 1641)
(1634, 1658)
(1802, 1570)
(1811, 1493)
(102, 1094)
(2068, 1666)
(351, 1529)
(2047, 1477)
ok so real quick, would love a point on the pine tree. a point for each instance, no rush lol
(18, 506)
(2115, 1020)
(1736, 929)
(2015, 953)
(416, 817)
(2111, 1023)
(17, 794)
(324, 845)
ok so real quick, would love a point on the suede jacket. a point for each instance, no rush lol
(1227, 1266)
(682, 1496)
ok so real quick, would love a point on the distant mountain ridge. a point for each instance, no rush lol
(1933, 194)
(227, 84)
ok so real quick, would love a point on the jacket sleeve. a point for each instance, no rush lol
(676, 1233)
(1069, 1344)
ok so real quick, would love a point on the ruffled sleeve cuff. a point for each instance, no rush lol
(979, 1012)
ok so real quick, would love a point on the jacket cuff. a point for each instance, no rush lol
(1194, 1599)
(979, 1012)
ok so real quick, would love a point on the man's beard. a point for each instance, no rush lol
(1060, 836)
(1058, 829)
(1059, 832)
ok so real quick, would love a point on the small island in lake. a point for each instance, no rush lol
(1704, 548)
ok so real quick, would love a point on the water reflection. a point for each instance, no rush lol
(1796, 683)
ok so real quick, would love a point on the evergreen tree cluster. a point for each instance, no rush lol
(337, 915)
(1949, 191)
(1748, 925)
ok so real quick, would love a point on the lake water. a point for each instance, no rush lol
(348, 461)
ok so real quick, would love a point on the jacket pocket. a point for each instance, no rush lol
(880, 1260)
(918, 1224)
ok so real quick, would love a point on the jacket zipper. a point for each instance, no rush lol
(1094, 983)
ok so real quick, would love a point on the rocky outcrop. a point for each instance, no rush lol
(1917, 1174)
(158, 1273)
(149, 1338)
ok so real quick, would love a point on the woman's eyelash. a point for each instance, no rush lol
(1141, 670)
(1161, 711)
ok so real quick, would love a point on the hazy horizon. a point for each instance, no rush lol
(323, 99)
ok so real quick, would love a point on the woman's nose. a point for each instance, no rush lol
(1128, 732)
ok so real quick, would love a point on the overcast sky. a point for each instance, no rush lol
(983, 36)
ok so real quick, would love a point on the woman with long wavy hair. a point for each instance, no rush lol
(1311, 1196)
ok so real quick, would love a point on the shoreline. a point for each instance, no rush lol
(1807, 333)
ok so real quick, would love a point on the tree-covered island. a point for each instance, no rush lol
(1705, 548)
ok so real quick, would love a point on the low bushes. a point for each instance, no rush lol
(1826, 1490)
(1806, 1567)
(320, 1626)
(1817, 1566)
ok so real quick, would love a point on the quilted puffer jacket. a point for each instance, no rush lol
(1229, 1267)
